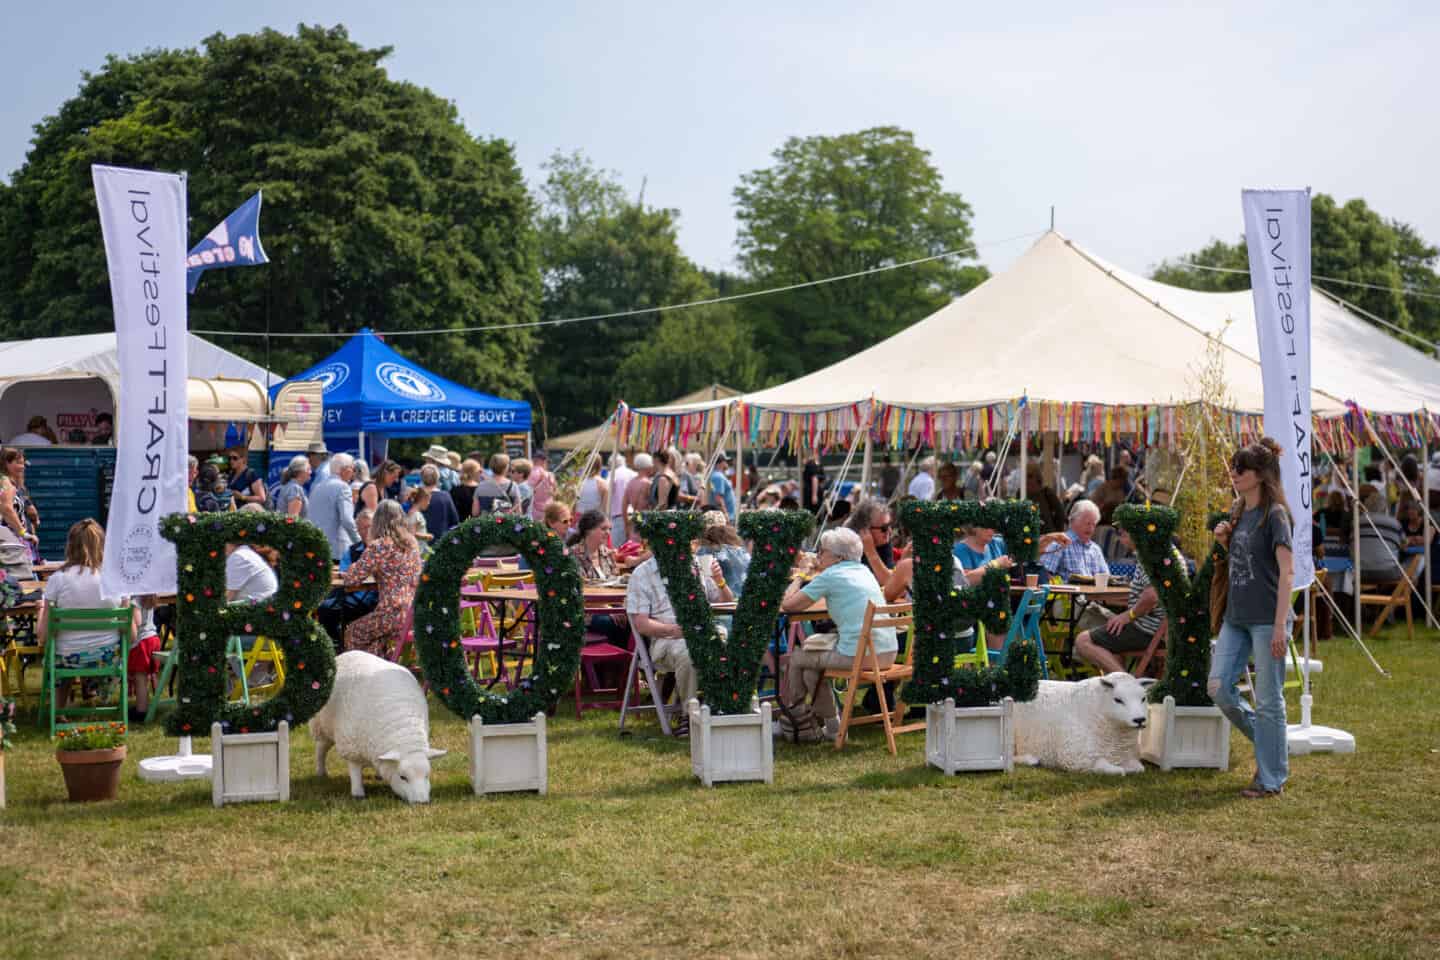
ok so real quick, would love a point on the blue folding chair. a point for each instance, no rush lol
(1025, 624)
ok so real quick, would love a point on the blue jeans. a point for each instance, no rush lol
(1236, 646)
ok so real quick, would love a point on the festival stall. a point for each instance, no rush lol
(600, 433)
(372, 393)
(73, 381)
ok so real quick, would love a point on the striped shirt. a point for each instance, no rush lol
(1138, 584)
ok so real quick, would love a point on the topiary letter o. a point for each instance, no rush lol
(561, 619)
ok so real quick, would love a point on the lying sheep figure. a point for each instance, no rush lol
(376, 716)
(1092, 726)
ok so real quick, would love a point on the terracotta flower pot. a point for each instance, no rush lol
(91, 774)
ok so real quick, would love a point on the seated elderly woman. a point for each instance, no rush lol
(847, 588)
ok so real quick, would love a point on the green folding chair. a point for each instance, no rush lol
(234, 653)
(119, 621)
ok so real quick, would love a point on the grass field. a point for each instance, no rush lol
(847, 855)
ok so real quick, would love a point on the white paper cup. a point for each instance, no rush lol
(1032, 580)
(1102, 580)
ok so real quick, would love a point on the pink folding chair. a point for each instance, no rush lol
(599, 652)
(484, 642)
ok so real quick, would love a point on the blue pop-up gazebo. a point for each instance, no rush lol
(373, 392)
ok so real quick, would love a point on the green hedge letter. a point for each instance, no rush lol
(561, 619)
(204, 621)
(726, 670)
(944, 609)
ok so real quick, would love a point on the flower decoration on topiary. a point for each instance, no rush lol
(560, 618)
(204, 622)
(1186, 601)
(944, 609)
(727, 668)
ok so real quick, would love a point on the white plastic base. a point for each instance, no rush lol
(250, 767)
(735, 747)
(1186, 737)
(1304, 737)
(970, 738)
(182, 766)
(508, 757)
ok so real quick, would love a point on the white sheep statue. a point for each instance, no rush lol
(376, 716)
(1092, 726)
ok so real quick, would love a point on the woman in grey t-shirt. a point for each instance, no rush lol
(1257, 614)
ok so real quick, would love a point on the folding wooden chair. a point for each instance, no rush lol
(1154, 653)
(1395, 599)
(640, 662)
(121, 622)
(865, 670)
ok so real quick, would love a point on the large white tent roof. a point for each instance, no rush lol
(1058, 325)
(1063, 325)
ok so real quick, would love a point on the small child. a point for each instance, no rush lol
(140, 664)
(419, 500)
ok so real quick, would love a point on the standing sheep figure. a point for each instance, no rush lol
(1092, 726)
(377, 717)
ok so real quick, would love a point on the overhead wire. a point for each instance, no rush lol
(640, 311)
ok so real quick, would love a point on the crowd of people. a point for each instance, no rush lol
(376, 523)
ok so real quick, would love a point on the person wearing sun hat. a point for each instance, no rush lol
(319, 456)
(440, 457)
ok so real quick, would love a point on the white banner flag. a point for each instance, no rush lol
(1277, 233)
(143, 218)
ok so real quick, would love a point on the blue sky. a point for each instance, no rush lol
(1139, 123)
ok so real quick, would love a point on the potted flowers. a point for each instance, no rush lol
(90, 758)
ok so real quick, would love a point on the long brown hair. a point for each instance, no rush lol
(1264, 458)
(85, 545)
(389, 523)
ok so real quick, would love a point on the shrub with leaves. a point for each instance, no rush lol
(94, 736)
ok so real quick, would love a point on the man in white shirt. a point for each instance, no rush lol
(922, 485)
(648, 604)
(248, 578)
(620, 477)
(332, 507)
(637, 493)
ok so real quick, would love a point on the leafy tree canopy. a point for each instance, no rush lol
(836, 205)
(604, 253)
(380, 209)
(1349, 242)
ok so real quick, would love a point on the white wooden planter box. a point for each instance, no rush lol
(735, 747)
(970, 738)
(250, 767)
(506, 757)
(1186, 737)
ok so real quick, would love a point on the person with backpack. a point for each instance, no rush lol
(497, 493)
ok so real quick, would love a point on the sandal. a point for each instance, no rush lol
(1257, 792)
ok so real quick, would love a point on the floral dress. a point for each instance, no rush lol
(600, 567)
(396, 570)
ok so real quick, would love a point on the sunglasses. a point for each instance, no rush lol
(882, 527)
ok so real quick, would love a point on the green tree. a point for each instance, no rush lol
(380, 209)
(603, 253)
(1351, 243)
(837, 205)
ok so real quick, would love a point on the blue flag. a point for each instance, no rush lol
(234, 243)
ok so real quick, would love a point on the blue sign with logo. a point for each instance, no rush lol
(235, 242)
(370, 388)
